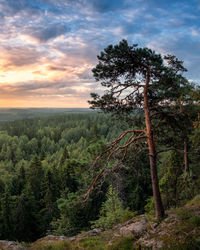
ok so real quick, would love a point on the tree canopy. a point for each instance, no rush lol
(140, 80)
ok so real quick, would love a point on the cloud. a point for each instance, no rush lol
(104, 5)
(184, 47)
(43, 34)
(42, 89)
(55, 68)
(19, 56)
(12, 7)
(49, 47)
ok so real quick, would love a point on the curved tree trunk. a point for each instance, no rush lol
(152, 153)
(186, 163)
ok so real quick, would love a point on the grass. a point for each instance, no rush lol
(194, 202)
(63, 245)
(125, 243)
(101, 242)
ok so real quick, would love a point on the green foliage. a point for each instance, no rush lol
(195, 220)
(90, 243)
(54, 246)
(170, 181)
(183, 214)
(137, 181)
(149, 207)
(46, 167)
(195, 201)
(112, 211)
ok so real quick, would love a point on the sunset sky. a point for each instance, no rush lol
(48, 47)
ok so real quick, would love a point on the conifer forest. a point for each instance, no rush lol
(137, 152)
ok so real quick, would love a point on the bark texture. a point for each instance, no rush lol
(152, 153)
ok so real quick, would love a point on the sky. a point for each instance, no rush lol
(49, 47)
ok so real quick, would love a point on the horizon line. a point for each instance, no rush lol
(44, 108)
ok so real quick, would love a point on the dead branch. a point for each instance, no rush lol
(113, 149)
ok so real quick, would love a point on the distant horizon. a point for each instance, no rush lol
(45, 108)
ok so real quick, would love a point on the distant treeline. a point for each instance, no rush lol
(11, 114)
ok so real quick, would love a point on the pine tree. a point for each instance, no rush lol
(35, 177)
(139, 81)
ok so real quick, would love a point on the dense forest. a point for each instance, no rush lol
(66, 173)
(47, 166)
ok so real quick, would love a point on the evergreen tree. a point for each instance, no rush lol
(26, 223)
(64, 157)
(138, 79)
(35, 176)
(50, 194)
(6, 216)
(112, 211)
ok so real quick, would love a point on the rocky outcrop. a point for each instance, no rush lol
(176, 231)
(137, 228)
(10, 245)
(52, 238)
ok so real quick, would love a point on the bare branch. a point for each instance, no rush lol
(114, 150)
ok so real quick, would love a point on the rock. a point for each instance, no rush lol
(92, 232)
(50, 238)
(154, 225)
(95, 231)
(150, 243)
(72, 238)
(136, 228)
(10, 245)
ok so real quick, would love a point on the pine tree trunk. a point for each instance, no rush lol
(186, 164)
(152, 153)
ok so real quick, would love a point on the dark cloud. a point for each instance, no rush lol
(55, 68)
(105, 5)
(52, 31)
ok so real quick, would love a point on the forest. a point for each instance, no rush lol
(47, 166)
(70, 172)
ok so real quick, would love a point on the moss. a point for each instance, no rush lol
(91, 243)
(183, 214)
(187, 244)
(53, 246)
(194, 202)
(195, 220)
(125, 243)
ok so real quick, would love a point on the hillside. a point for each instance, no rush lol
(180, 230)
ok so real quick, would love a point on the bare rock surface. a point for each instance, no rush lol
(10, 245)
(135, 228)
(52, 238)
(144, 233)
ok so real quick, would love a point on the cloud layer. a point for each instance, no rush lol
(48, 47)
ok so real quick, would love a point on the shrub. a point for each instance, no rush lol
(195, 220)
(112, 211)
